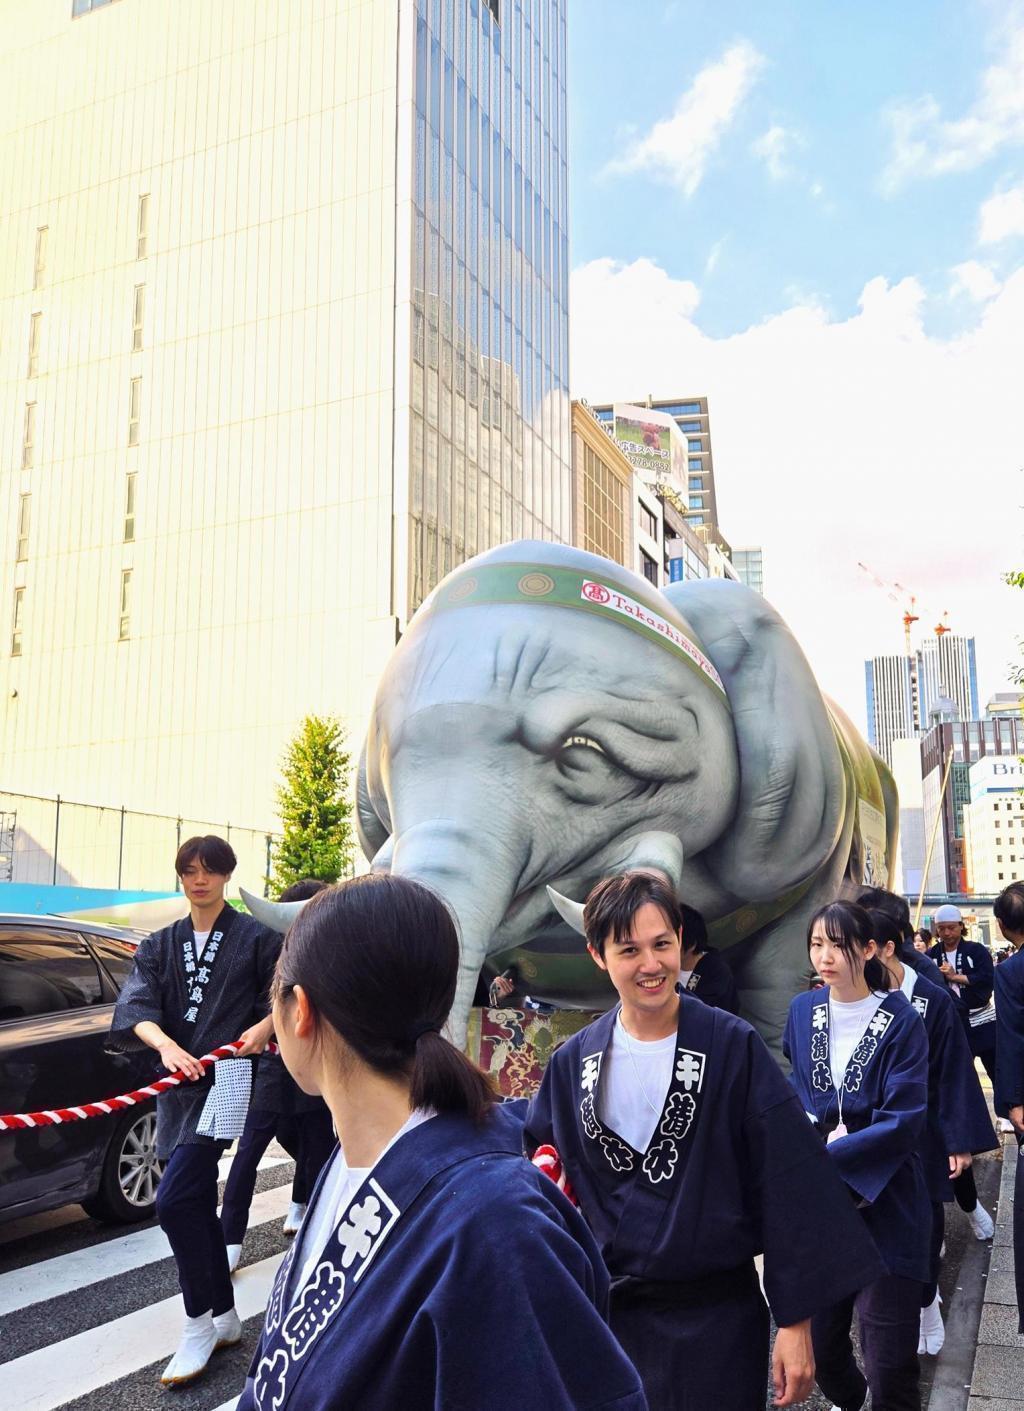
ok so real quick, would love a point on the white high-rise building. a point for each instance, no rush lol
(283, 338)
(946, 667)
(889, 701)
(994, 824)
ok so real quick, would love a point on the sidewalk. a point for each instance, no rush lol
(998, 1380)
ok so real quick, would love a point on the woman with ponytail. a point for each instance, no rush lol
(860, 1065)
(435, 1268)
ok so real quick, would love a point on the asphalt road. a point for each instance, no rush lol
(90, 1314)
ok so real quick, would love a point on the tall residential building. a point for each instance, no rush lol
(749, 566)
(946, 666)
(889, 702)
(967, 741)
(690, 415)
(283, 338)
(994, 824)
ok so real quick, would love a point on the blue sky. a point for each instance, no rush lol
(813, 213)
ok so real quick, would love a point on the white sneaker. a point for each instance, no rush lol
(228, 1327)
(194, 1351)
(234, 1255)
(293, 1220)
(1003, 1124)
(980, 1222)
(933, 1332)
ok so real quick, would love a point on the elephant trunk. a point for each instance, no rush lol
(474, 874)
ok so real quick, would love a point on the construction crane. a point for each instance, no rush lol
(906, 600)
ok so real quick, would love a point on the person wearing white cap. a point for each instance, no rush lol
(967, 970)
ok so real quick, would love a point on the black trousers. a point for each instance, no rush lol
(694, 1356)
(186, 1206)
(1018, 1231)
(930, 1289)
(889, 1316)
(307, 1137)
(965, 1192)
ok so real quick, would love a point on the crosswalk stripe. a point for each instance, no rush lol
(266, 1163)
(52, 1277)
(78, 1365)
(227, 1405)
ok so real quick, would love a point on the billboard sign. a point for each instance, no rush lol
(651, 442)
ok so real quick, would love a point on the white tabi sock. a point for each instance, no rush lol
(234, 1255)
(293, 1220)
(229, 1328)
(194, 1351)
(933, 1333)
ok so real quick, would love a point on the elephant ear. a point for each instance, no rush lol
(792, 799)
(372, 830)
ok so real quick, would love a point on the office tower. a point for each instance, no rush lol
(994, 824)
(749, 565)
(283, 338)
(946, 666)
(889, 702)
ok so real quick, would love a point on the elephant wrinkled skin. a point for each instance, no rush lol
(550, 718)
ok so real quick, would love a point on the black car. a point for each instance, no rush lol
(58, 983)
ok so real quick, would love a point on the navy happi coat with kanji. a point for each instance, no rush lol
(884, 1111)
(199, 1001)
(733, 1170)
(458, 1278)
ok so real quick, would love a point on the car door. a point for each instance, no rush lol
(55, 1010)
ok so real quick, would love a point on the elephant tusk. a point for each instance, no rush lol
(275, 915)
(570, 911)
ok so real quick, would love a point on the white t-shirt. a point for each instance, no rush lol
(634, 1082)
(684, 978)
(340, 1184)
(201, 938)
(909, 981)
(848, 1024)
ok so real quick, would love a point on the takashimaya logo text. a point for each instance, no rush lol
(601, 594)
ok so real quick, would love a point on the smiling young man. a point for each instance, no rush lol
(196, 985)
(690, 1154)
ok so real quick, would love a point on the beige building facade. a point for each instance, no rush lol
(994, 824)
(283, 338)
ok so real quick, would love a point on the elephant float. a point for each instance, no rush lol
(550, 718)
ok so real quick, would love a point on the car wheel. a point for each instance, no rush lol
(131, 1172)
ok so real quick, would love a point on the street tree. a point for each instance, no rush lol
(318, 839)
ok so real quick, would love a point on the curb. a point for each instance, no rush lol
(997, 1383)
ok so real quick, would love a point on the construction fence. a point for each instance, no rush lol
(61, 842)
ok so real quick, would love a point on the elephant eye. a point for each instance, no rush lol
(586, 742)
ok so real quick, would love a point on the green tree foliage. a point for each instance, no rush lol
(1016, 580)
(318, 838)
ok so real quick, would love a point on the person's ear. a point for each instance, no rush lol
(596, 958)
(305, 1021)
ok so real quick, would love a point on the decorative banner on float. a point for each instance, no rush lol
(619, 602)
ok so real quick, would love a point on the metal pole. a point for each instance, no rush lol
(56, 840)
(266, 874)
(120, 850)
(931, 843)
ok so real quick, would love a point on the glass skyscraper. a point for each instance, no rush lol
(283, 338)
(489, 417)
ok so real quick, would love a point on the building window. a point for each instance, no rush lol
(492, 5)
(648, 568)
(42, 239)
(134, 409)
(16, 621)
(129, 508)
(681, 408)
(648, 523)
(124, 632)
(696, 502)
(85, 7)
(696, 483)
(34, 329)
(137, 316)
(695, 443)
(143, 228)
(28, 441)
(690, 426)
(24, 517)
(696, 466)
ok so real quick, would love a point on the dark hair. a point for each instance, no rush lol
(849, 927)
(924, 933)
(1009, 907)
(378, 958)
(885, 928)
(695, 930)
(214, 853)
(302, 891)
(615, 901)
(897, 908)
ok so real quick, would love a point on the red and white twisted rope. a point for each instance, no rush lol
(547, 1159)
(17, 1121)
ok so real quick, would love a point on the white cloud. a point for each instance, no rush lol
(1001, 216)
(773, 148)
(677, 148)
(924, 143)
(977, 281)
(838, 440)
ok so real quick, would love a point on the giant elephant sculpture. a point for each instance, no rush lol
(549, 718)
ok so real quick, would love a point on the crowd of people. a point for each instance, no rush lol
(432, 1266)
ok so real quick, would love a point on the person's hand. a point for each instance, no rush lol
(958, 1163)
(176, 1060)
(793, 1364)
(1017, 1118)
(947, 969)
(256, 1038)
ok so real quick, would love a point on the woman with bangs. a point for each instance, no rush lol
(860, 1064)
